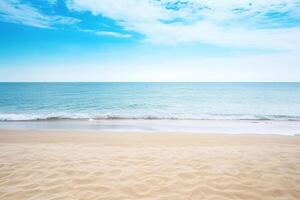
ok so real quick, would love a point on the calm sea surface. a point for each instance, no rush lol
(228, 101)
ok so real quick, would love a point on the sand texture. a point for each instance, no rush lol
(90, 166)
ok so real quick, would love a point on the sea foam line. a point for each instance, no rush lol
(79, 116)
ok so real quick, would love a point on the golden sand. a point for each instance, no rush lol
(40, 165)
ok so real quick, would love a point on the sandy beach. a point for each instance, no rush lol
(88, 166)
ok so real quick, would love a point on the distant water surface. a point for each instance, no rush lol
(186, 101)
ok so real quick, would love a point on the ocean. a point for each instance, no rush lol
(174, 101)
(260, 108)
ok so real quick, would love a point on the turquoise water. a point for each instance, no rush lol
(228, 101)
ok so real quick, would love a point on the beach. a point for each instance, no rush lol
(80, 165)
(149, 100)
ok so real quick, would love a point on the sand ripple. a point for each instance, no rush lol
(88, 171)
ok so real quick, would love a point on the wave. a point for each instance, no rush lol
(91, 117)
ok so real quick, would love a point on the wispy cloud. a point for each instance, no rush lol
(14, 11)
(113, 34)
(271, 24)
(106, 33)
(248, 23)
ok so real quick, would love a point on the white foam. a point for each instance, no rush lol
(95, 116)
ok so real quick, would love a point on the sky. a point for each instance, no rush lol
(150, 40)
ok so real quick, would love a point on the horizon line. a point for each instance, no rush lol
(149, 81)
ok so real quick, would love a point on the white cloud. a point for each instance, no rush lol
(246, 23)
(113, 34)
(14, 11)
(106, 33)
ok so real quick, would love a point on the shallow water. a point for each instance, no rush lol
(161, 126)
(214, 101)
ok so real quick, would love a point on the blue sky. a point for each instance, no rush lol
(150, 40)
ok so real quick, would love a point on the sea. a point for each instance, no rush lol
(137, 104)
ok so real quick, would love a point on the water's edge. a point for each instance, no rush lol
(80, 116)
(157, 126)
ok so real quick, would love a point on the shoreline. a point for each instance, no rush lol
(161, 126)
